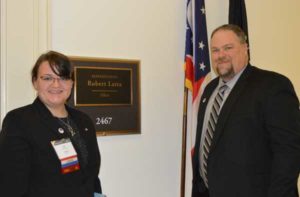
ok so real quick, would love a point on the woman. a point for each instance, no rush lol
(47, 148)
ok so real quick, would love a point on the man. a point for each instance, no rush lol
(248, 134)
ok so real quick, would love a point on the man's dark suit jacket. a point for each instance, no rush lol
(29, 166)
(255, 151)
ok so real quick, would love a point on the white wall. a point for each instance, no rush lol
(153, 32)
(275, 36)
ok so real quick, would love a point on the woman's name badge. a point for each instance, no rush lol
(66, 154)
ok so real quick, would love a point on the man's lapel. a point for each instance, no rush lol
(202, 108)
(228, 105)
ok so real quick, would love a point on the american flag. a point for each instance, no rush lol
(197, 64)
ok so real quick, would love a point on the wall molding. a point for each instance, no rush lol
(3, 59)
(41, 40)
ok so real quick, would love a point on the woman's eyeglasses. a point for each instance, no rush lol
(50, 79)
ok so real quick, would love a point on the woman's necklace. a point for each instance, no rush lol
(68, 125)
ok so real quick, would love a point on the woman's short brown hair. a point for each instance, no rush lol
(59, 64)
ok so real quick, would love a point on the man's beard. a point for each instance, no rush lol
(228, 74)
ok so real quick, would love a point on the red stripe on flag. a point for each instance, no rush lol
(189, 72)
(196, 87)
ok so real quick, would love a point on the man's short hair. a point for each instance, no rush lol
(235, 29)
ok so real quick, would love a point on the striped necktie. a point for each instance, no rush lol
(212, 122)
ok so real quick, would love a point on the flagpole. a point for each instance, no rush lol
(183, 146)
